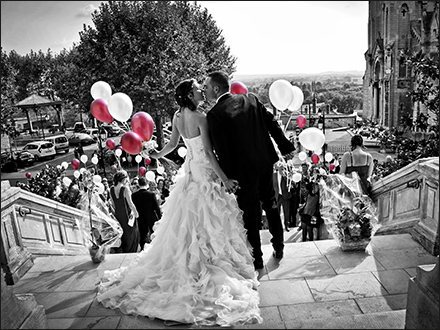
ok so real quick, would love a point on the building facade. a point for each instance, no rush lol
(395, 27)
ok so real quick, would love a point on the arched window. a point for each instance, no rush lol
(404, 9)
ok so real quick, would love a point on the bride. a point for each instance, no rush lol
(198, 268)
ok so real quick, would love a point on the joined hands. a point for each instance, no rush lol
(231, 186)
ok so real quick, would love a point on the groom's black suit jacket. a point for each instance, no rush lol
(241, 129)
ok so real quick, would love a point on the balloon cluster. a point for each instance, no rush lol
(284, 96)
(108, 107)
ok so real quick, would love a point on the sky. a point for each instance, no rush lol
(266, 37)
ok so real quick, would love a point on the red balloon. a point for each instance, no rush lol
(143, 125)
(120, 147)
(110, 144)
(315, 158)
(332, 167)
(75, 163)
(238, 87)
(147, 161)
(28, 175)
(142, 170)
(99, 109)
(301, 121)
(132, 143)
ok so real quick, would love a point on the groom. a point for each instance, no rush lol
(241, 129)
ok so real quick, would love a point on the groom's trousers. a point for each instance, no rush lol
(249, 196)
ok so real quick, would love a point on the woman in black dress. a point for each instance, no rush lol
(123, 205)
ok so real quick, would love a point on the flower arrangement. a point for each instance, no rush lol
(349, 215)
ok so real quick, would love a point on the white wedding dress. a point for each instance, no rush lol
(198, 268)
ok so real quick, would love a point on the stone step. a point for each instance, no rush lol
(379, 320)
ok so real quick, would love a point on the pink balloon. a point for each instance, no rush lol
(28, 175)
(75, 163)
(143, 125)
(120, 147)
(142, 170)
(110, 143)
(99, 109)
(238, 87)
(132, 143)
(147, 161)
(301, 121)
(332, 167)
(315, 158)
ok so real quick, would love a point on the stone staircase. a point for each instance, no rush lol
(315, 286)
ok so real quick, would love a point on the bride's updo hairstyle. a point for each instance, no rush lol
(182, 92)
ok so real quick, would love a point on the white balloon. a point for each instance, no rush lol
(297, 177)
(182, 151)
(97, 179)
(328, 156)
(65, 165)
(118, 152)
(281, 94)
(120, 106)
(76, 174)
(160, 169)
(100, 187)
(67, 181)
(319, 151)
(298, 99)
(84, 158)
(312, 138)
(138, 159)
(101, 90)
(95, 160)
(302, 155)
(322, 171)
(82, 170)
(150, 175)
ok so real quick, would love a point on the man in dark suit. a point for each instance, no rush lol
(148, 208)
(241, 129)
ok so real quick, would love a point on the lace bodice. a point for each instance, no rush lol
(196, 162)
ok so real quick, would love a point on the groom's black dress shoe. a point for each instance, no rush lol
(278, 254)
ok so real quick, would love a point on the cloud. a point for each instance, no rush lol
(86, 11)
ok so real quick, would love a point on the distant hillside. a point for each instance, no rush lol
(298, 76)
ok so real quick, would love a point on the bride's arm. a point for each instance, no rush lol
(230, 184)
(172, 143)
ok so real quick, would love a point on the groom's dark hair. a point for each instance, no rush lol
(220, 79)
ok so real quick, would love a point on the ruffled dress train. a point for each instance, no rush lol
(198, 268)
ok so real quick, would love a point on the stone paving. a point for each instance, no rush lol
(316, 286)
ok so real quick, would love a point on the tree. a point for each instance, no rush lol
(144, 49)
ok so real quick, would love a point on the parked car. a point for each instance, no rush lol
(18, 158)
(79, 126)
(84, 138)
(93, 132)
(54, 128)
(41, 149)
(111, 129)
(60, 142)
